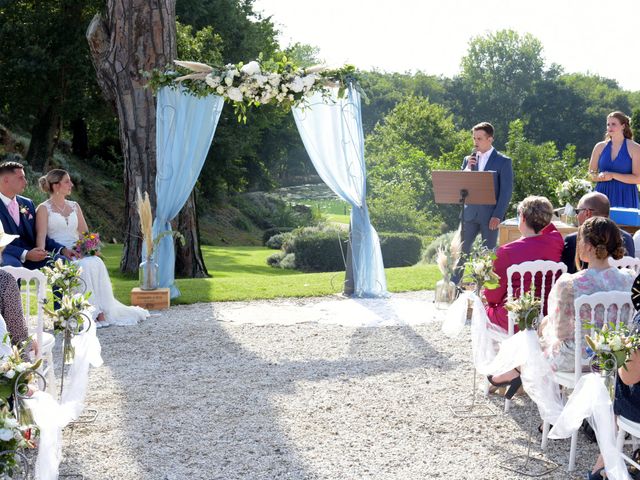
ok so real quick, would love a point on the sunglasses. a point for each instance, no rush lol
(578, 210)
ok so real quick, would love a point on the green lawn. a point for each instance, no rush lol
(241, 273)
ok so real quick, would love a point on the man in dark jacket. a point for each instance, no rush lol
(592, 204)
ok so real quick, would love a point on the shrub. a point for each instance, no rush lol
(270, 232)
(275, 259)
(288, 261)
(321, 251)
(277, 240)
(400, 249)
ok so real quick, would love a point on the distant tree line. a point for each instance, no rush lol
(413, 122)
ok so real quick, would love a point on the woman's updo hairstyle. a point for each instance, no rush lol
(624, 121)
(46, 182)
(604, 235)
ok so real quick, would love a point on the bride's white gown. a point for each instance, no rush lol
(64, 230)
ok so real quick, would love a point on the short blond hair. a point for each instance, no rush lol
(537, 212)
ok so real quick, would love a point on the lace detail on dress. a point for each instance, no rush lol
(63, 229)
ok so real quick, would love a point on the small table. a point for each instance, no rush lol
(508, 230)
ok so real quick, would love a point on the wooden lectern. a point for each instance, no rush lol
(464, 188)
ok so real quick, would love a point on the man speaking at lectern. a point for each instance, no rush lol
(485, 219)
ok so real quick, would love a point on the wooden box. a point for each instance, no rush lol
(157, 299)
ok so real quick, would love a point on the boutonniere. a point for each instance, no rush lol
(24, 210)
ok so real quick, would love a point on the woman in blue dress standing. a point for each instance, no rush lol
(615, 163)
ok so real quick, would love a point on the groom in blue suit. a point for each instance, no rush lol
(485, 219)
(18, 216)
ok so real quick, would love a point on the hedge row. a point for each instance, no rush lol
(327, 251)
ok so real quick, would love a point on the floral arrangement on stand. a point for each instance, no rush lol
(15, 436)
(255, 83)
(88, 244)
(570, 191)
(526, 310)
(70, 319)
(479, 269)
(612, 347)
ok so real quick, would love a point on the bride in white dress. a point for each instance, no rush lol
(62, 220)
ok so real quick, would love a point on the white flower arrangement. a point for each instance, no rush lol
(570, 191)
(257, 82)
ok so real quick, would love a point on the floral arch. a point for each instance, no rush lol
(326, 105)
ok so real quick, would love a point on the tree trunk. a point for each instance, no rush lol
(43, 135)
(134, 36)
(189, 262)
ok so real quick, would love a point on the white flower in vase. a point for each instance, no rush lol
(6, 434)
(615, 343)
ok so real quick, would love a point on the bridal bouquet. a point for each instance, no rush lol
(88, 244)
(612, 346)
(526, 310)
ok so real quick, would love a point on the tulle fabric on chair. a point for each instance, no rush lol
(521, 350)
(591, 398)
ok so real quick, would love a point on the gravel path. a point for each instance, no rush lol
(200, 393)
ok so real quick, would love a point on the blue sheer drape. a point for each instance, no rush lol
(185, 125)
(331, 131)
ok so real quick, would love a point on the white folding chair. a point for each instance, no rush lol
(631, 263)
(32, 289)
(623, 314)
(632, 428)
(539, 271)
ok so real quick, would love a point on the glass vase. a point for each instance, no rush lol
(445, 293)
(148, 274)
(605, 365)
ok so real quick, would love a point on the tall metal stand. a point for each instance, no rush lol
(530, 466)
(475, 409)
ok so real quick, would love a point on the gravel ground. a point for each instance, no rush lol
(185, 395)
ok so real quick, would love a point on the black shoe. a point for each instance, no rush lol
(599, 474)
(514, 385)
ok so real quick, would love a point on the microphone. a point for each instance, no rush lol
(474, 154)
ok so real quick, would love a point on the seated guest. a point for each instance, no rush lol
(540, 241)
(598, 239)
(592, 204)
(10, 302)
